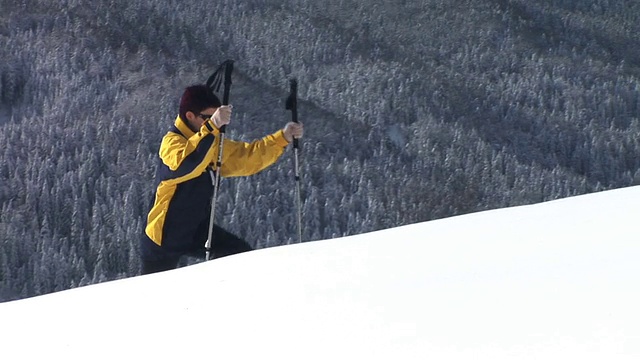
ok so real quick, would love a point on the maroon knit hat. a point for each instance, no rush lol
(197, 98)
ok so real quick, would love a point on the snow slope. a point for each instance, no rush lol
(558, 280)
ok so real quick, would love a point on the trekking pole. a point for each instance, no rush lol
(213, 83)
(292, 104)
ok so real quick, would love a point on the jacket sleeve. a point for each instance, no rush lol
(243, 159)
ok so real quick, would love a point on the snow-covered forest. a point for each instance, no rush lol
(414, 110)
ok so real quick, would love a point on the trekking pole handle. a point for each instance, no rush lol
(227, 86)
(292, 104)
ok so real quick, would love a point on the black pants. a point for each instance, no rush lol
(224, 243)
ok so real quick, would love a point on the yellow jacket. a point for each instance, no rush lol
(184, 183)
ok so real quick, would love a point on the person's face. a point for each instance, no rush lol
(197, 119)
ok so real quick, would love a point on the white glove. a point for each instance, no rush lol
(222, 116)
(293, 130)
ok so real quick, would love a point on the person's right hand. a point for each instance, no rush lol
(222, 116)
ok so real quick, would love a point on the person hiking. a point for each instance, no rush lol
(178, 222)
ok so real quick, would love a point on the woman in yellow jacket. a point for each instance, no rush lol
(178, 222)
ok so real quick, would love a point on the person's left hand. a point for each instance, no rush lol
(293, 130)
(222, 116)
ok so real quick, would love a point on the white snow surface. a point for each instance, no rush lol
(557, 280)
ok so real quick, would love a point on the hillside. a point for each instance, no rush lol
(414, 110)
(555, 281)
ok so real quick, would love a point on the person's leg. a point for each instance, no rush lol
(153, 266)
(225, 243)
(155, 258)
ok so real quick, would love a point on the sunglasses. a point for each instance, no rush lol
(205, 116)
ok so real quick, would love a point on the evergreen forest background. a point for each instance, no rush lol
(413, 110)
